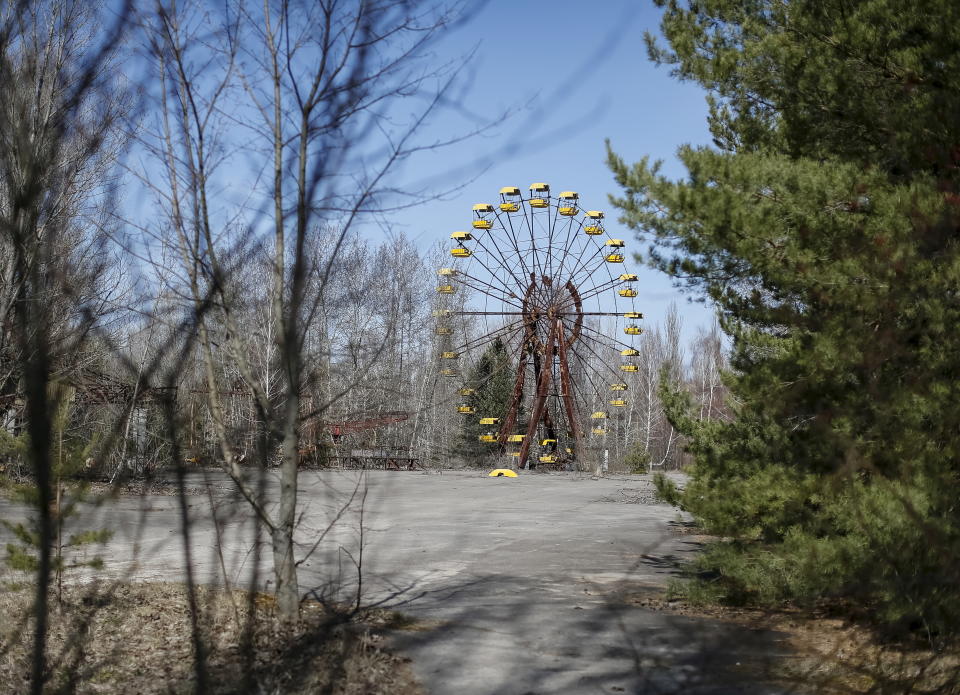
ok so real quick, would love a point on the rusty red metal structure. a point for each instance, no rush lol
(356, 454)
(360, 422)
(543, 277)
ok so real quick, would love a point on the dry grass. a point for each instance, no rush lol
(137, 638)
(835, 654)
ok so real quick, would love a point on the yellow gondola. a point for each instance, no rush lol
(466, 391)
(449, 355)
(548, 458)
(568, 203)
(462, 236)
(449, 372)
(632, 330)
(627, 293)
(629, 368)
(599, 415)
(618, 387)
(507, 205)
(447, 272)
(443, 330)
(594, 214)
(539, 195)
(615, 243)
(628, 277)
(633, 315)
(482, 209)
(547, 442)
(489, 421)
(441, 312)
(618, 402)
(466, 409)
(460, 252)
(593, 229)
(614, 258)
(629, 352)
(446, 289)
(487, 438)
(514, 453)
(516, 437)
(599, 430)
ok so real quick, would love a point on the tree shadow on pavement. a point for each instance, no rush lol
(505, 634)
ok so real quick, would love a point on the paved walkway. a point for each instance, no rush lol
(518, 585)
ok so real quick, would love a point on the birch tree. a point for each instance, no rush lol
(303, 96)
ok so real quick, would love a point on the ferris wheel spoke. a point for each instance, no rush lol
(585, 356)
(502, 262)
(567, 249)
(504, 299)
(611, 314)
(597, 289)
(582, 257)
(589, 373)
(551, 226)
(513, 327)
(606, 363)
(574, 225)
(587, 269)
(500, 286)
(529, 221)
(616, 344)
(511, 235)
(584, 264)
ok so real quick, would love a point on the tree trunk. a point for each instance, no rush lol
(285, 573)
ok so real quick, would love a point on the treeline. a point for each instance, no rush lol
(370, 349)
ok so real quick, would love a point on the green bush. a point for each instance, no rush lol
(637, 460)
(667, 490)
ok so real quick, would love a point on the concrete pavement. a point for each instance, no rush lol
(517, 584)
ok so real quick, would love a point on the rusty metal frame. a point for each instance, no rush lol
(545, 355)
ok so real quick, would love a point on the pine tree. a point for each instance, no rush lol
(824, 226)
(491, 379)
(68, 552)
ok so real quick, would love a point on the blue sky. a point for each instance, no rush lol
(571, 75)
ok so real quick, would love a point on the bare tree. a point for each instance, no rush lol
(707, 364)
(303, 95)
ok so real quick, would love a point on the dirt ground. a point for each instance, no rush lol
(833, 654)
(137, 638)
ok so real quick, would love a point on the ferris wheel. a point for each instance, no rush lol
(540, 277)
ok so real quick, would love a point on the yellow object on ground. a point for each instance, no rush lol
(502, 472)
